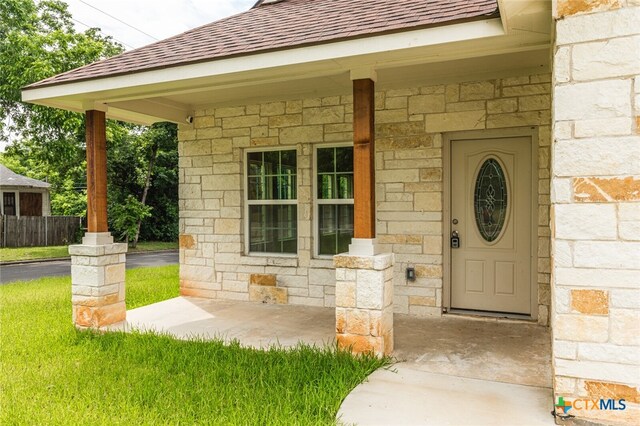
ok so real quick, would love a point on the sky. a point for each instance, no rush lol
(159, 19)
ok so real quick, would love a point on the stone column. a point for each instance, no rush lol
(364, 303)
(97, 265)
(97, 281)
(595, 216)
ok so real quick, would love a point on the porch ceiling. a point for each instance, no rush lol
(517, 42)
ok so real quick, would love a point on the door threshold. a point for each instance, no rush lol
(490, 316)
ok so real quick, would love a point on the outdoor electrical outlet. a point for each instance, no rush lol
(411, 273)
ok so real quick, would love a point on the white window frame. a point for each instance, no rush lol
(247, 202)
(317, 201)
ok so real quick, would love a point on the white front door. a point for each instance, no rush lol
(491, 213)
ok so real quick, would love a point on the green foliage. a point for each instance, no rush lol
(126, 217)
(53, 374)
(38, 40)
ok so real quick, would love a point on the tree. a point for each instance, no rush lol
(38, 40)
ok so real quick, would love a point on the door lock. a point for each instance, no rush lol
(455, 240)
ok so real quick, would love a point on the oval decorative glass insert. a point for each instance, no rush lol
(490, 199)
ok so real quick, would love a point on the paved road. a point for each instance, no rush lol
(32, 271)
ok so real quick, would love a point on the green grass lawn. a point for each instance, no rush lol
(52, 374)
(31, 253)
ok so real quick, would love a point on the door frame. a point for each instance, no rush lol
(448, 138)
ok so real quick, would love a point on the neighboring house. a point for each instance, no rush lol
(23, 196)
(470, 156)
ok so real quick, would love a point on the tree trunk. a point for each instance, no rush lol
(143, 200)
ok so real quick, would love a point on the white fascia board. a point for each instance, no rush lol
(263, 61)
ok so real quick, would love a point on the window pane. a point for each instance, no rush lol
(286, 189)
(273, 229)
(344, 159)
(326, 187)
(274, 178)
(288, 160)
(254, 160)
(344, 186)
(336, 228)
(325, 160)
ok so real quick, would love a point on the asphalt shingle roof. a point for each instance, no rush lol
(281, 25)
(10, 178)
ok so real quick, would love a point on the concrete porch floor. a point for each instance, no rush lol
(494, 365)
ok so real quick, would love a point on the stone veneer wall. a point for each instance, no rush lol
(596, 205)
(409, 185)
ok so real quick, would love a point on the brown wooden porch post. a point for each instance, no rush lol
(96, 140)
(364, 202)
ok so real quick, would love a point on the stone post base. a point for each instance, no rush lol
(97, 282)
(364, 303)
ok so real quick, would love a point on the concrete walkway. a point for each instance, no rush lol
(450, 370)
(405, 395)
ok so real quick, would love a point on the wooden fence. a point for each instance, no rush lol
(34, 231)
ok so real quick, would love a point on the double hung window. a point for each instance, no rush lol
(272, 201)
(334, 167)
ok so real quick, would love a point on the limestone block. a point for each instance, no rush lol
(263, 279)
(391, 116)
(590, 302)
(369, 289)
(599, 278)
(361, 344)
(593, 100)
(597, 157)
(604, 371)
(477, 90)
(564, 349)
(602, 254)
(187, 291)
(92, 276)
(581, 328)
(323, 115)
(629, 231)
(241, 121)
(422, 301)
(606, 59)
(82, 290)
(564, 385)
(627, 327)
(229, 112)
(527, 90)
(586, 221)
(301, 134)
(428, 201)
(607, 352)
(529, 118)
(565, 8)
(358, 322)
(196, 273)
(534, 103)
(406, 175)
(267, 294)
(620, 126)
(424, 104)
(220, 182)
(453, 121)
(594, 190)
(114, 273)
(504, 105)
(204, 121)
(98, 317)
(598, 26)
